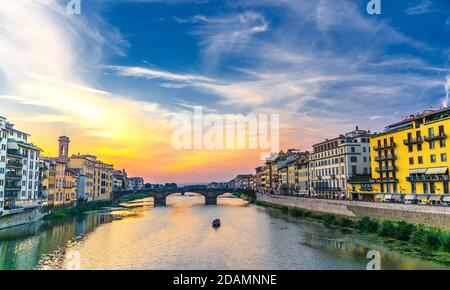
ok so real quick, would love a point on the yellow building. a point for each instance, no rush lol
(69, 187)
(60, 169)
(99, 180)
(302, 175)
(51, 183)
(409, 160)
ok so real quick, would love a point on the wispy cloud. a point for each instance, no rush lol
(426, 6)
(446, 99)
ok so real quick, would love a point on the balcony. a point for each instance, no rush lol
(390, 180)
(386, 169)
(318, 188)
(384, 146)
(385, 157)
(10, 193)
(441, 136)
(14, 153)
(11, 175)
(427, 178)
(12, 186)
(14, 164)
(412, 141)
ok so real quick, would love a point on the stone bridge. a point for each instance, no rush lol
(160, 195)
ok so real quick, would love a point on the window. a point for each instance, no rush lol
(441, 130)
(432, 145)
(411, 161)
(413, 187)
(364, 149)
(442, 143)
(432, 158)
(425, 188)
(430, 132)
(446, 187)
(419, 147)
(420, 160)
(353, 149)
(410, 148)
(443, 157)
(353, 159)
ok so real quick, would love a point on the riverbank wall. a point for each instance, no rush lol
(27, 215)
(432, 216)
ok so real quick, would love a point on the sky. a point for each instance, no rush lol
(113, 77)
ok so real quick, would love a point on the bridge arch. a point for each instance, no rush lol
(160, 196)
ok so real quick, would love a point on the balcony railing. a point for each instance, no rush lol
(385, 157)
(389, 180)
(10, 175)
(441, 136)
(427, 178)
(385, 146)
(12, 187)
(412, 141)
(326, 188)
(14, 164)
(14, 153)
(386, 169)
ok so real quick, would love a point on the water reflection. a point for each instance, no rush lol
(22, 247)
(180, 236)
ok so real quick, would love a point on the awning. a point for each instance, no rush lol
(437, 170)
(379, 196)
(418, 171)
(446, 198)
(435, 197)
(388, 196)
(396, 196)
(410, 197)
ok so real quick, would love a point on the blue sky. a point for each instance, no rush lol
(326, 59)
(122, 68)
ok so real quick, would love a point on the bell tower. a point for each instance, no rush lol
(63, 155)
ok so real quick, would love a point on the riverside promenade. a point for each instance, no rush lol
(433, 216)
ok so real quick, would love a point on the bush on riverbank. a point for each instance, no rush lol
(419, 235)
(77, 210)
(130, 197)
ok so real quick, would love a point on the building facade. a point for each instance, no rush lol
(410, 159)
(98, 176)
(334, 161)
(120, 179)
(135, 183)
(19, 169)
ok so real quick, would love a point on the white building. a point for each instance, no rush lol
(334, 161)
(19, 169)
(135, 183)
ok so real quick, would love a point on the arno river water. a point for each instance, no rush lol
(180, 236)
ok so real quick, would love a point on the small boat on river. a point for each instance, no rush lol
(216, 223)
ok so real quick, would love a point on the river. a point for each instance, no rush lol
(180, 236)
